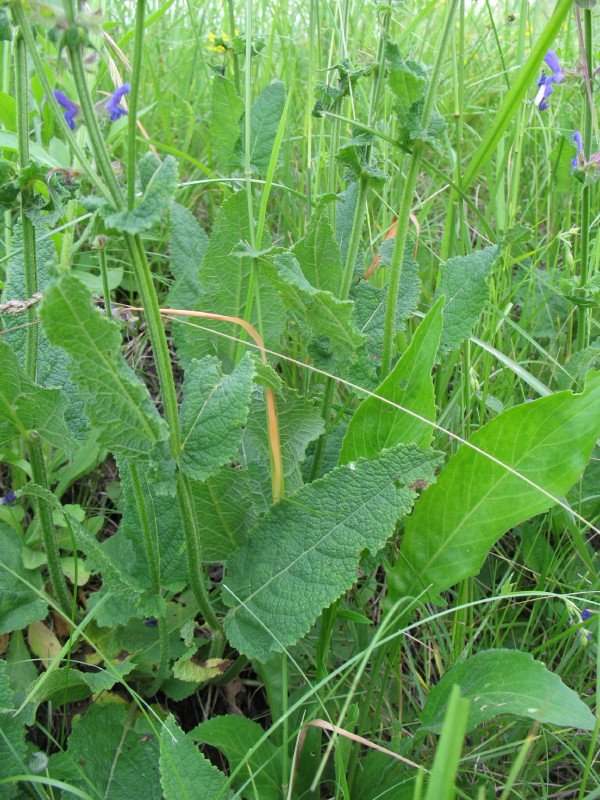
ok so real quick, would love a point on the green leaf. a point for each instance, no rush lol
(507, 682)
(213, 413)
(377, 425)
(407, 79)
(344, 222)
(187, 246)
(225, 280)
(26, 407)
(117, 751)
(69, 685)
(52, 370)
(159, 181)
(13, 750)
(560, 159)
(185, 774)
(464, 282)
(116, 402)
(352, 154)
(319, 254)
(265, 114)
(325, 320)
(235, 736)
(224, 126)
(224, 511)
(304, 553)
(475, 500)
(114, 577)
(20, 600)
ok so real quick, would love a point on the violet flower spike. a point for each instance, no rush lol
(69, 106)
(546, 81)
(575, 161)
(9, 499)
(113, 107)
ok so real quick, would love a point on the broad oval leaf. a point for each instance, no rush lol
(507, 682)
(475, 500)
(304, 553)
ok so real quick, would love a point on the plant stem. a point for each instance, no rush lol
(236, 61)
(34, 445)
(138, 53)
(160, 350)
(586, 42)
(153, 559)
(406, 201)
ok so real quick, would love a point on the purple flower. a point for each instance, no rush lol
(546, 81)
(151, 623)
(586, 614)
(10, 498)
(69, 106)
(113, 107)
(575, 161)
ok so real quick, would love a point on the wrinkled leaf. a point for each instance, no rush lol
(117, 752)
(265, 114)
(187, 245)
(304, 553)
(213, 413)
(464, 282)
(20, 603)
(319, 254)
(159, 181)
(184, 772)
(26, 407)
(226, 110)
(116, 402)
(13, 750)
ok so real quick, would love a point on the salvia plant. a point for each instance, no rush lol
(299, 400)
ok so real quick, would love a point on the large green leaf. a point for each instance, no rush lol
(52, 370)
(185, 773)
(25, 406)
(235, 736)
(224, 126)
(377, 425)
(116, 402)
(325, 321)
(116, 752)
(464, 282)
(318, 253)
(187, 245)
(475, 500)
(304, 553)
(265, 114)
(159, 181)
(13, 750)
(224, 284)
(507, 682)
(213, 414)
(20, 599)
